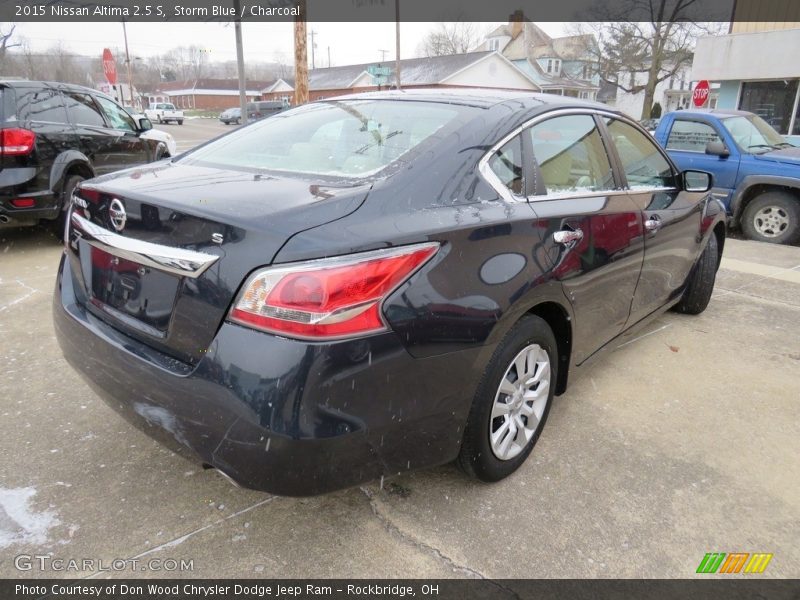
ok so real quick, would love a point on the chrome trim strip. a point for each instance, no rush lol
(185, 263)
(491, 178)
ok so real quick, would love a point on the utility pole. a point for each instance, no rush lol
(383, 54)
(329, 57)
(313, 46)
(128, 64)
(397, 43)
(300, 56)
(237, 28)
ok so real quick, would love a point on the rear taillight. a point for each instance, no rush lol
(16, 141)
(329, 298)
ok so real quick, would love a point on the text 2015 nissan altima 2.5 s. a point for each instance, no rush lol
(375, 283)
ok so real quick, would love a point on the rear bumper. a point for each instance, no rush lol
(279, 415)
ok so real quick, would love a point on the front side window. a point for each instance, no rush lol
(642, 161)
(571, 155)
(82, 110)
(753, 134)
(691, 136)
(354, 138)
(507, 164)
(116, 115)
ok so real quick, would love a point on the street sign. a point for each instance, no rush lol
(700, 93)
(380, 75)
(109, 67)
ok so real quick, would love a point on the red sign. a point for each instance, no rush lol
(109, 67)
(700, 93)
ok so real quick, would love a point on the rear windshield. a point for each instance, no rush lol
(353, 138)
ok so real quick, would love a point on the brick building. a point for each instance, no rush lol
(204, 94)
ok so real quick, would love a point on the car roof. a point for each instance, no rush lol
(478, 97)
(721, 113)
(50, 84)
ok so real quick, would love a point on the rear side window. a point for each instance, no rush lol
(571, 155)
(507, 164)
(41, 105)
(691, 136)
(82, 110)
(642, 161)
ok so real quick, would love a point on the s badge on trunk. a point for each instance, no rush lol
(117, 215)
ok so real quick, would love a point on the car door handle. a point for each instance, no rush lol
(653, 224)
(567, 236)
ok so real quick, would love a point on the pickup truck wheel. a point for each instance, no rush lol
(773, 217)
(512, 402)
(700, 283)
(180, 122)
(60, 223)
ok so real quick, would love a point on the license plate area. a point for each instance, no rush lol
(140, 296)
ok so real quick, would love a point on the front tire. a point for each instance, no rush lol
(512, 402)
(773, 217)
(700, 284)
(180, 122)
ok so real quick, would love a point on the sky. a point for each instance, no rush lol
(350, 43)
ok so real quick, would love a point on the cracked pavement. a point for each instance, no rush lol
(682, 441)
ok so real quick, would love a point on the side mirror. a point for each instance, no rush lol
(696, 181)
(145, 124)
(718, 149)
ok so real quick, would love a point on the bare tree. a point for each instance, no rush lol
(635, 56)
(451, 38)
(6, 44)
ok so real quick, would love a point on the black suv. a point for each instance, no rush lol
(54, 135)
(264, 108)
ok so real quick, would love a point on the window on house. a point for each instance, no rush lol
(773, 101)
(553, 66)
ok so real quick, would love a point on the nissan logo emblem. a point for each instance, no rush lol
(116, 212)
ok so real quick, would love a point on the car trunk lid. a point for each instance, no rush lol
(160, 252)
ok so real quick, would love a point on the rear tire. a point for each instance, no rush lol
(773, 217)
(60, 222)
(180, 122)
(510, 408)
(700, 284)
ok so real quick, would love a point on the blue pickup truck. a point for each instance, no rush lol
(756, 171)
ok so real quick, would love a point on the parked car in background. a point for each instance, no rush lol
(264, 108)
(55, 135)
(756, 171)
(164, 112)
(170, 146)
(404, 279)
(231, 115)
(650, 125)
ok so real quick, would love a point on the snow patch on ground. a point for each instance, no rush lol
(19, 523)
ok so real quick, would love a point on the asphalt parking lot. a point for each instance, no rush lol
(684, 440)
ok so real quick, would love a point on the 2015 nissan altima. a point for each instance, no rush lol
(375, 283)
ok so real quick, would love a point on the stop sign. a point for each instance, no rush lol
(700, 93)
(109, 67)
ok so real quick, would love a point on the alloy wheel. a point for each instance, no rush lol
(520, 402)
